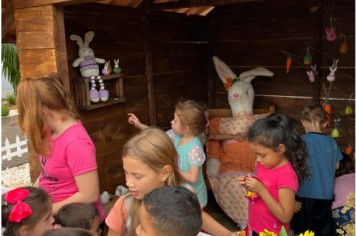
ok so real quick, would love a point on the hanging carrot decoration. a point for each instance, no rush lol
(327, 108)
(344, 47)
(289, 61)
(349, 149)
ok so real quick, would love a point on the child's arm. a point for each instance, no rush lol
(282, 210)
(237, 137)
(213, 227)
(113, 233)
(136, 122)
(192, 175)
(88, 190)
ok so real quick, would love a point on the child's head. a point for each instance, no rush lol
(149, 162)
(171, 211)
(314, 113)
(26, 211)
(189, 117)
(68, 232)
(38, 99)
(79, 215)
(347, 166)
(275, 138)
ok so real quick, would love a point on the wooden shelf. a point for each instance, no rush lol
(82, 90)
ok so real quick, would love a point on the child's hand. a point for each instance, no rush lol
(234, 233)
(133, 120)
(254, 184)
(297, 206)
(242, 181)
(239, 137)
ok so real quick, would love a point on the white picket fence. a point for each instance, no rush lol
(9, 153)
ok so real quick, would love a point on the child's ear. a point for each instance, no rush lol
(23, 231)
(303, 122)
(166, 172)
(281, 149)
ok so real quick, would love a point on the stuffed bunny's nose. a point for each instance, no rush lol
(236, 95)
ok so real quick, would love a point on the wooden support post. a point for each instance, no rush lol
(148, 72)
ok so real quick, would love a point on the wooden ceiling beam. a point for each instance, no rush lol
(194, 3)
(18, 4)
(7, 19)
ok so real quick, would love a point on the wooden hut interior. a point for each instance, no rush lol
(165, 48)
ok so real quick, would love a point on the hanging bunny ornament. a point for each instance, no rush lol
(331, 32)
(333, 68)
(106, 70)
(88, 65)
(312, 73)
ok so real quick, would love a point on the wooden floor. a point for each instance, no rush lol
(8, 130)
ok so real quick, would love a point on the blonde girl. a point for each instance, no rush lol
(26, 211)
(48, 117)
(149, 163)
(187, 134)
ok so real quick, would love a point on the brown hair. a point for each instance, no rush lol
(76, 215)
(154, 148)
(192, 114)
(36, 200)
(68, 232)
(347, 166)
(314, 112)
(33, 95)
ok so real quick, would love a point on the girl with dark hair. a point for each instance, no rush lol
(26, 211)
(343, 187)
(281, 164)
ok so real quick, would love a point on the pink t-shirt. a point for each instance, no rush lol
(344, 185)
(72, 153)
(260, 218)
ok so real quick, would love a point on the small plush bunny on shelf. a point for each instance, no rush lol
(88, 65)
(117, 69)
(106, 70)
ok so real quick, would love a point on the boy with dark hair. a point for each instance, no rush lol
(79, 215)
(171, 211)
(315, 195)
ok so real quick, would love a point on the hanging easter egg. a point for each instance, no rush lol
(348, 149)
(348, 110)
(307, 59)
(344, 48)
(335, 133)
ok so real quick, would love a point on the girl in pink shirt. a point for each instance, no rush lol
(281, 163)
(48, 117)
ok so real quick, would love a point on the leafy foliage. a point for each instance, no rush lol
(11, 66)
(11, 99)
(4, 110)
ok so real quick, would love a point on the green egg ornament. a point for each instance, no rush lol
(335, 133)
(348, 110)
(307, 59)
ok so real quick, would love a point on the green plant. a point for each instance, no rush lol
(11, 65)
(11, 99)
(4, 110)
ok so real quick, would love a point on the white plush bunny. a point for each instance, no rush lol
(333, 68)
(240, 95)
(106, 70)
(88, 65)
(117, 69)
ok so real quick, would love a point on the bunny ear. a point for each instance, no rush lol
(115, 62)
(309, 73)
(249, 75)
(223, 70)
(88, 38)
(79, 40)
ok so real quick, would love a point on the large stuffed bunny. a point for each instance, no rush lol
(88, 65)
(230, 159)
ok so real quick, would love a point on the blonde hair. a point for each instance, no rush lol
(154, 148)
(192, 114)
(33, 95)
(315, 112)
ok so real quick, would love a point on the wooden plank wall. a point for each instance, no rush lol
(178, 71)
(179, 59)
(252, 34)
